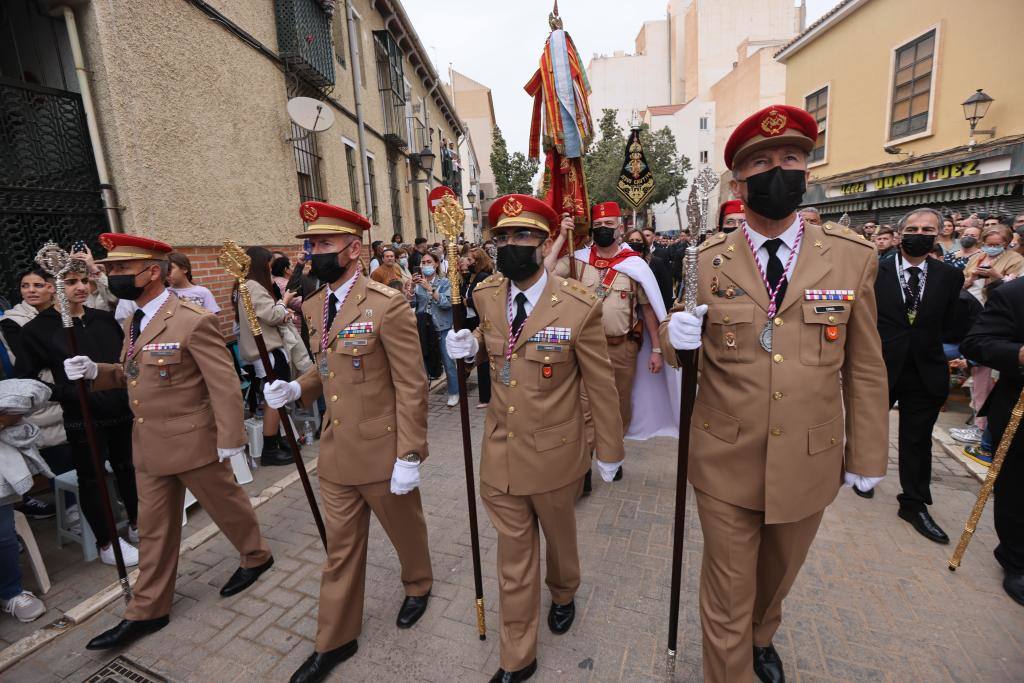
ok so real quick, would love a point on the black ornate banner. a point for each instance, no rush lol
(636, 182)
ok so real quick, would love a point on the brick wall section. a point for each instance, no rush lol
(208, 273)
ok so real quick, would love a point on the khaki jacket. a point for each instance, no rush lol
(376, 388)
(534, 438)
(187, 401)
(769, 430)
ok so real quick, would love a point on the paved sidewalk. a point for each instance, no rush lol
(875, 601)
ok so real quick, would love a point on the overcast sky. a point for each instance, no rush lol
(499, 43)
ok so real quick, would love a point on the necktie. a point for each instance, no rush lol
(332, 310)
(775, 269)
(137, 324)
(517, 322)
(914, 285)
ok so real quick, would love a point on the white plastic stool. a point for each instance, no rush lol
(68, 482)
(254, 430)
(23, 529)
(240, 467)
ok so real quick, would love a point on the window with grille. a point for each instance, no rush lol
(816, 105)
(703, 156)
(372, 177)
(703, 123)
(353, 175)
(912, 85)
(394, 190)
(391, 85)
(307, 164)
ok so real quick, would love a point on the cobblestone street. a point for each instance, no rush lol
(875, 601)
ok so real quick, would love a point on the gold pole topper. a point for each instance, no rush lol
(233, 259)
(451, 219)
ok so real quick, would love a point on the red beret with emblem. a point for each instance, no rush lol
(122, 247)
(605, 210)
(732, 206)
(779, 124)
(522, 210)
(328, 219)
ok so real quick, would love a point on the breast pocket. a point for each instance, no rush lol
(357, 359)
(823, 333)
(730, 333)
(161, 367)
(548, 361)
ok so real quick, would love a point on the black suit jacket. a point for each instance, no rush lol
(995, 342)
(663, 274)
(920, 343)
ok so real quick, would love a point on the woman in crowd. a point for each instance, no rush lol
(431, 297)
(659, 266)
(179, 277)
(476, 267)
(272, 315)
(969, 246)
(947, 237)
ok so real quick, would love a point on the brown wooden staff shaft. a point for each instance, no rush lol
(688, 365)
(98, 469)
(458, 322)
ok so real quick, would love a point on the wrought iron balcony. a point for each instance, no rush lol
(304, 40)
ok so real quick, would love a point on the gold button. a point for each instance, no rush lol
(355, 351)
(563, 439)
(707, 425)
(778, 358)
(779, 322)
(515, 356)
(334, 398)
(511, 409)
(193, 425)
(336, 420)
(160, 361)
(832, 441)
(513, 383)
(831, 318)
(141, 420)
(776, 431)
(547, 359)
(389, 428)
(511, 435)
(726, 319)
(331, 374)
(135, 402)
(134, 383)
(777, 395)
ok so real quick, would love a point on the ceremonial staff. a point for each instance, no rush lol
(697, 213)
(233, 259)
(57, 263)
(450, 218)
(990, 481)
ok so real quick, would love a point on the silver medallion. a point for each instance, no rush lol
(506, 372)
(132, 368)
(322, 365)
(766, 336)
(601, 292)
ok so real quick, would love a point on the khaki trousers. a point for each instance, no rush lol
(515, 519)
(623, 358)
(160, 503)
(342, 583)
(748, 568)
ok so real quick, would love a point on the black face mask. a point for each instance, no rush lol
(777, 193)
(517, 262)
(917, 245)
(124, 287)
(728, 229)
(638, 247)
(325, 267)
(603, 237)
(968, 242)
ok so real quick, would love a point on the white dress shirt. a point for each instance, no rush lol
(788, 245)
(532, 294)
(150, 309)
(902, 275)
(341, 292)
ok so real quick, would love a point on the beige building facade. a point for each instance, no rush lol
(476, 111)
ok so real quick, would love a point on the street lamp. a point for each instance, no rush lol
(471, 196)
(975, 108)
(425, 161)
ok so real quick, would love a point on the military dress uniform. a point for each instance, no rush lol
(373, 381)
(185, 395)
(773, 431)
(535, 452)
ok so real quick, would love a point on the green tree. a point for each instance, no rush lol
(603, 162)
(513, 174)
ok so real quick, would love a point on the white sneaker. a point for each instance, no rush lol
(133, 534)
(967, 435)
(25, 607)
(128, 552)
(73, 519)
(453, 400)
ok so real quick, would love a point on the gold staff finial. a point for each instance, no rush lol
(450, 218)
(555, 21)
(233, 259)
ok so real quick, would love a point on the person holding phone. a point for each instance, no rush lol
(432, 298)
(994, 264)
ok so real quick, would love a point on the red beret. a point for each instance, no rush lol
(327, 219)
(605, 210)
(122, 247)
(779, 124)
(731, 206)
(522, 210)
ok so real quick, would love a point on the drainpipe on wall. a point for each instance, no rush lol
(106, 189)
(354, 56)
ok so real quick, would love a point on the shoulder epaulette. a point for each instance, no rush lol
(492, 281)
(575, 288)
(381, 289)
(837, 230)
(193, 307)
(712, 240)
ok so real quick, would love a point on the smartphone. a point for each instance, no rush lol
(78, 246)
(307, 246)
(415, 270)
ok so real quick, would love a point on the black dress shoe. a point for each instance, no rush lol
(1013, 584)
(274, 452)
(243, 578)
(560, 617)
(319, 664)
(870, 493)
(618, 474)
(515, 676)
(127, 632)
(768, 665)
(924, 525)
(588, 486)
(412, 609)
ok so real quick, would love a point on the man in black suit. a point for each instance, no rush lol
(917, 297)
(997, 341)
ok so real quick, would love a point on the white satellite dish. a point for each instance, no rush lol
(310, 114)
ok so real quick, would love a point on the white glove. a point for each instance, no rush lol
(461, 344)
(684, 328)
(608, 469)
(228, 453)
(405, 477)
(862, 483)
(280, 393)
(80, 367)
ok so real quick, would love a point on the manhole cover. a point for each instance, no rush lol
(123, 670)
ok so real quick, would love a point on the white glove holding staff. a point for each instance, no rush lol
(80, 367)
(405, 477)
(280, 393)
(684, 328)
(608, 469)
(863, 484)
(461, 344)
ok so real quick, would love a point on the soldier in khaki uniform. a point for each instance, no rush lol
(792, 400)
(188, 421)
(543, 335)
(374, 437)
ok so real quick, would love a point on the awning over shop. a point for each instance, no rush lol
(847, 207)
(954, 194)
